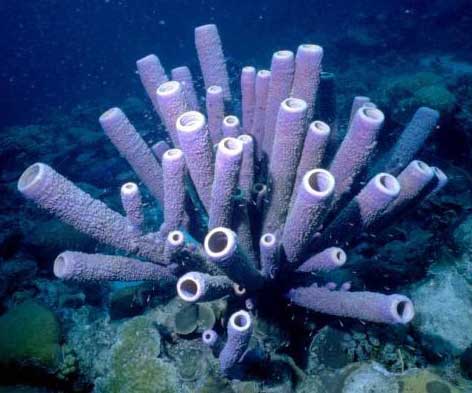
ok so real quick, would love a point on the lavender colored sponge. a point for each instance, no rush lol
(133, 148)
(78, 266)
(239, 333)
(369, 306)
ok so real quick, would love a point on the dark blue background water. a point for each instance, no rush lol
(57, 53)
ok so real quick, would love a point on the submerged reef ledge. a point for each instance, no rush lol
(256, 209)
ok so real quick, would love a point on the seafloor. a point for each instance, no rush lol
(65, 337)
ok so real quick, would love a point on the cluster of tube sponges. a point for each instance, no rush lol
(272, 198)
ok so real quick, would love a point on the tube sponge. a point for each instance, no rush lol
(248, 97)
(282, 69)
(290, 133)
(246, 174)
(269, 248)
(195, 143)
(355, 151)
(211, 58)
(231, 127)
(171, 100)
(363, 211)
(184, 76)
(227, 165)
(369, 306)
(262, 91)
(152, 75)
(173, 166)
(412, 139)
(201, 287)
(132, 204)
(314, 149)
(307, 75)
(329, 259)
(78, 266)
(215, 107)
(239, 333)
(133, 148)
(173, 247)
(70, 204)
(221, 248)
(307, 214)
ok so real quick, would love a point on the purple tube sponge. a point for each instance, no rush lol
(78, 266)
(211, 58)
(314, 148)
(259, 195)
(282, 69)
(246, 174)
(195, 143)
(329, 259)
(290, 133)
(355, 151)
(70, 204)
(221, 248)
(173, 247)
(133, 148)
(369, 306)
(215, 107)
(213, 340)
(184, 76)
(227, 165)
(239, 333)
(171, 100)
(414, 179)
(248, 97)
(231, 127)
(307, 214)
(441, 180)
(269, 248)
(361, 213)
(173, 166)
(152, 75)
(262, 91)
(412, 139)
(201, 287)
(307, 75)
(132, 204)
(357, 103)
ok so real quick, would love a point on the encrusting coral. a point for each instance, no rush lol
(273, 202)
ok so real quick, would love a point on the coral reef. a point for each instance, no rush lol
(257, 217)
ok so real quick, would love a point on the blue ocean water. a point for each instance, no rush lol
(64, 63)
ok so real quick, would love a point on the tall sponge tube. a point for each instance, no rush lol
(133, 148)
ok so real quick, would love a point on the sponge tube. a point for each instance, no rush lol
(269, 248)
(231, 127)
(152, 75)
(239, 330)
(173, 165)
(133, 148)
(282, 70)
(355, 151)
(227, 166)
(412, 139)
(262, 91)
(70, 204)
(195, 143)
(184, 76)
(215, 107)
(329, 259)
(288, 144)
(369, 306)
(201, 287)
(307, 213)
(171, 100)
(221, 248)
(307, 75)
(132, 204)
(78, 266)
(211, 58)
(248, 97)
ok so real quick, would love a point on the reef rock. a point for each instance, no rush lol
(444, 311)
